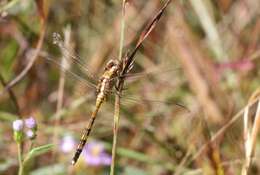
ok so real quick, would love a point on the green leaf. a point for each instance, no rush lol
(5, 116)
(8, 53)
(39, 150)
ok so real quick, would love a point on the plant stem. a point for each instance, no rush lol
(115, 129)
(20, 158)
(122, 32)
(12, 96)
(65, 63)
(117, 98)
(31, 145)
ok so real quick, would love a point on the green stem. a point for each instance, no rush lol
(117, 100)
(20, 158)
(115, 129)
(32, 144)
(122, 32)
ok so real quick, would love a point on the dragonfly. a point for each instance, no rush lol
(115, 72)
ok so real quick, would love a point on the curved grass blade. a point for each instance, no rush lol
(38, 151)
(129, 59)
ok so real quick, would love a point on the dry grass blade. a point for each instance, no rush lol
(41, 9)
(43, 17)
(153, 23)
(250, 134)
(130, 58)
(199, 73)
(12, 96)
(66, 64)
(221, 131)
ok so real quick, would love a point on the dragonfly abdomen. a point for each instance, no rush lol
(85, 134)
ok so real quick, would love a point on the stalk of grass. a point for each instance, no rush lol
(115, 130)
(12, 96)
(117, 98)
(64, 63)
(20, 158)
(250, 134)
(221, 131)
(210, 28)
(122, 31)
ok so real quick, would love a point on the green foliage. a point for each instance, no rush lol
(37, 151)
(6, 116)
(7, 57)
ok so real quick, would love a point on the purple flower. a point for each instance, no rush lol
(30, 134)
(67, 144)
(94, 154)
(17, 125)
(30, 123)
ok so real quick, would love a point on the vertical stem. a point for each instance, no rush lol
(66, 65)
(209, 26)
(12, 96)
(20, 159)
(115, 130)
(122, 31)
(117, 98)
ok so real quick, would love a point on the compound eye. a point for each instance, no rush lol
(110, 64)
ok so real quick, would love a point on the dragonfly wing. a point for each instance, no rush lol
(134, 99)
(71, 56)
(152, 72)
(72, 74)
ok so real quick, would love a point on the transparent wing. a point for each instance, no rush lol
(72, 74)
(155, 71)
(70, 56)
(126, 99)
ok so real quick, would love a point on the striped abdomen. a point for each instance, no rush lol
(105, 85)
(85, 134)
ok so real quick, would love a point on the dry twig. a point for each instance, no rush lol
(43, 17)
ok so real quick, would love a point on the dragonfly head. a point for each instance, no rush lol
(111, 63)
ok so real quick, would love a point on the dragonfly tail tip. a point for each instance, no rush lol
(73, 162)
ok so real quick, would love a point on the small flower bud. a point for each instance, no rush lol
(31, 134)
(31, 123)
(18, 125)
(18, 133)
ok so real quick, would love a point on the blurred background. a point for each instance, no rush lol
(203, 54)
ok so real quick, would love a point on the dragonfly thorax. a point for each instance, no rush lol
(107, 80)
